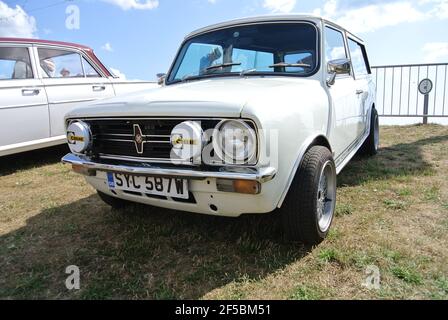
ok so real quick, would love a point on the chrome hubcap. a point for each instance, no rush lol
(326, 196)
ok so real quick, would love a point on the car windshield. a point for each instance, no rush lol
(269, 48)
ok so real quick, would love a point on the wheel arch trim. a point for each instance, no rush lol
(315, 140)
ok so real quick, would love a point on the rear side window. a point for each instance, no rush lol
(357, 53)
(15, 63)
(334, 45)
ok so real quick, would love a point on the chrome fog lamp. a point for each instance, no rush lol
(79, 136)
(234, 141)
(187, 140)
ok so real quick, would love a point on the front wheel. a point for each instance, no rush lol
(308, 210)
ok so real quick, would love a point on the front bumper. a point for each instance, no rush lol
(261, 175)
(203, 186)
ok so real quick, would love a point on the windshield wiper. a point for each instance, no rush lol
(223, 65)
(244, 72)
(294, 65)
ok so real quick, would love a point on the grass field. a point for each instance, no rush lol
(392, 213)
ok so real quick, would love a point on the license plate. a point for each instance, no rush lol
(168, 187)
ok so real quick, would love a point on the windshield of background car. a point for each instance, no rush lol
(268, 48)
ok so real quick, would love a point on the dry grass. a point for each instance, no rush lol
(392, 212)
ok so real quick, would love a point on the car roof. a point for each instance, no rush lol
(45, 42)
(87, 50)
(268, 18)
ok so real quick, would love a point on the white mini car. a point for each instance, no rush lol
(256, 115)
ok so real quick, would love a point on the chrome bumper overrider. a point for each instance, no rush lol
(261, 174)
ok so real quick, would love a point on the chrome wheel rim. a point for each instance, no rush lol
(376, 133)
(326, 196)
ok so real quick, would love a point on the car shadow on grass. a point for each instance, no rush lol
(140, 252)
(400, 160)
(31, 159)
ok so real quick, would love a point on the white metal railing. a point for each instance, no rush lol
(412, 90)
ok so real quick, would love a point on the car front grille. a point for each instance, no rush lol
(115, 138)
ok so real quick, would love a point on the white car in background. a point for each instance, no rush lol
(256, 115)
(40, 81)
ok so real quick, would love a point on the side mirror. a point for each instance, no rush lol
(336, 67)
(161, 78)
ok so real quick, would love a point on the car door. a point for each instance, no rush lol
(344, 129)
(361, 69)
(70, 80)
(24, 115)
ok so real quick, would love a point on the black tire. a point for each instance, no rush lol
(300, 215)
(115, 203)
(371, 145)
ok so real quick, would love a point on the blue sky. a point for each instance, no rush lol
(140, 37)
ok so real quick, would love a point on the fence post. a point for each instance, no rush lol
(425, 87)
(426, 109)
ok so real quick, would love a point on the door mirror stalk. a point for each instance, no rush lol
(161, 78)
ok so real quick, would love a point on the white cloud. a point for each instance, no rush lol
(440, 9)
(135, 4)
(279, 6)
(374, 16)
(15, 22)
(107, 47)
(435, 52)
(118, 73)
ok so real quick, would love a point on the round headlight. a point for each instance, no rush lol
(234, 140)
(78, 136)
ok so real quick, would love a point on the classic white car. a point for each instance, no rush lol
(256, 115)
(40, 81)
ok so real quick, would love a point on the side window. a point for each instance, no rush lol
(334, 45)
(358, 58)
(55, 63)
(89, 70)
(15, 63)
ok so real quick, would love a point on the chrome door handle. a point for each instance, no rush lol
(358, 92)
(99, 88)
(30, 92)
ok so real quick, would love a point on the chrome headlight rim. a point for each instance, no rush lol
(250, 155)
(86, 135)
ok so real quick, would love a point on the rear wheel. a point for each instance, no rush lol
(308, 210)
(115, 203)
(372, 143)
